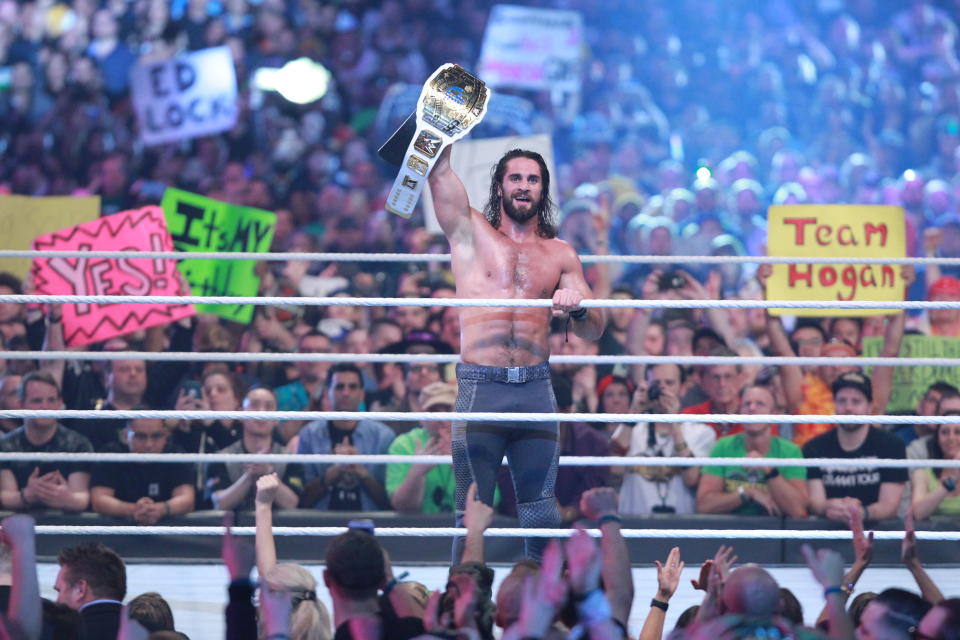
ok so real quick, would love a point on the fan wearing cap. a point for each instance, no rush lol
(424, 487)
(808, 387)
(817, 397)
(944, 322)
(838, 492)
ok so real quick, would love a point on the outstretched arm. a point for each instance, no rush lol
(668, 578)
(266, 549)
(595, 504)
(24, 609)
(908, 554)
(862, 554)
(827, 569)
(883, 376)
(53, 341)
(450, 201)
(476, 519)
(780, 343)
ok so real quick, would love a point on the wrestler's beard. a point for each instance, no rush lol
(520, 215)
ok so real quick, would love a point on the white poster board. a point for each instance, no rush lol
(532, 48)
(474, 160)
(185, 97)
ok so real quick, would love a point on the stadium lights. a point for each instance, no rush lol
(300, 81)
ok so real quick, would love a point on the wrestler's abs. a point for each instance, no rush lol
(497, 267)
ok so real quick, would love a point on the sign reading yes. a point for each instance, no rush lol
(188, 96)
(133, 231)
(198, 223)
(833, 231)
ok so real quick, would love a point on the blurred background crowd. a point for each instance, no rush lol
(690, 121)
(693, 117)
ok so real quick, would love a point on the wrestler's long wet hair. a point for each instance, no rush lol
(546, 219)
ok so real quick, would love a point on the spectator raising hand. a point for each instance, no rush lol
(23, 616)
(827, 569)
(908, 555)
(543, 595)
(476, 519)
(239, 558)
(668, 579)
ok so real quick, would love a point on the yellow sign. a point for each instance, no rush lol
(23, 218)
(847, 231)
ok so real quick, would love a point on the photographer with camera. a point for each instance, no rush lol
(655, 489)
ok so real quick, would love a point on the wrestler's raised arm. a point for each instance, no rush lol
(450, 199)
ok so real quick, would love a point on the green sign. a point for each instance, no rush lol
(198, 223)
(910, 383)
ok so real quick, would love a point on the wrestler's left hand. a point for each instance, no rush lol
(565, 301)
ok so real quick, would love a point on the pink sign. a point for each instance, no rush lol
(138, 230)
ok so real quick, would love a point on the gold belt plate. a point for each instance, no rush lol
(454, 100)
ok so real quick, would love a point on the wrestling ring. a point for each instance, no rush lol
(484, 417)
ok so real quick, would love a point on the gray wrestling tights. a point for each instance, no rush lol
(532, 450)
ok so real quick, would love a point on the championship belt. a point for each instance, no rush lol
(451, 103)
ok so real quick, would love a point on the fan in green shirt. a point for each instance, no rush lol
(754, 490)
(425, 488)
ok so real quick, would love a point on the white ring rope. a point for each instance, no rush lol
(206, 356)
(445, 257)
(565, 461)
(740, 534)
(479, 302)
(478, 416)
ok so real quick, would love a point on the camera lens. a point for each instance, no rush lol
(654, 392)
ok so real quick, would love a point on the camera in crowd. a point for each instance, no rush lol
(654, 392)
(671, 280)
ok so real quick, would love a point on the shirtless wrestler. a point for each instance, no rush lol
(509, 251)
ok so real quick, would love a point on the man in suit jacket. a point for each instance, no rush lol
(92, 581)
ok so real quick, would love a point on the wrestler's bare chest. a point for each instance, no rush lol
(496, 267)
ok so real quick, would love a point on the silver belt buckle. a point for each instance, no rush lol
(513, 375)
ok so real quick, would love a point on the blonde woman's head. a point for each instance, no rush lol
(309, 619)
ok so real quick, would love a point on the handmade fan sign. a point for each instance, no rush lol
(134, 231)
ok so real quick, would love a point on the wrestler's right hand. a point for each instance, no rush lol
(565, 301)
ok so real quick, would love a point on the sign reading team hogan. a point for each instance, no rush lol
(835, 231)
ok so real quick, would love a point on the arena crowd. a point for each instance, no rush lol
(690, 121)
